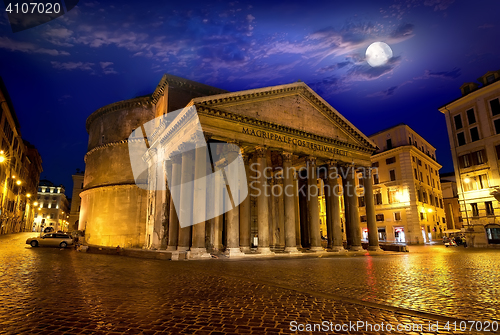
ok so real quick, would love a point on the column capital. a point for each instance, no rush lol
(278, 181)
(233, 147)
(207, 135)
(261, 151)
(175, 157)
(332, 163)
(287, 156)
(186, 146)
(311, 159)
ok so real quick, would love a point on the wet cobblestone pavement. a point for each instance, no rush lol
(52, 291)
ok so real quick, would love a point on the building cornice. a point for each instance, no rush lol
(299, 88)
(109, 145)
(471, 96)
(125, 104)
(247, 120)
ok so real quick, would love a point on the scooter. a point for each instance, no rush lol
(450, 242)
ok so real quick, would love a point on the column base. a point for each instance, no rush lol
(182, 248)
(234, 252)
(356, 248)
(374, 248)
(292, 250)
(316, 249)
(172, 248)
(198, 253)
(337, 248)
(245, 249)
(264, 251)
(179, 255)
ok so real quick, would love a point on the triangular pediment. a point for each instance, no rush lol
(294, 106)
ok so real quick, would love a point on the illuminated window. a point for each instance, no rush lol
(391, 195)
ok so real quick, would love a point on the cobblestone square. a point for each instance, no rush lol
(53, 291)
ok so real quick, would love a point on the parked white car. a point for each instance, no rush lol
(51, 240)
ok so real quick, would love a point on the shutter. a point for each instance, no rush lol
(485, 157)
(473, 158)
(461, 162)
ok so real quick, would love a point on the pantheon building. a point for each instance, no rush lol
(273, 130)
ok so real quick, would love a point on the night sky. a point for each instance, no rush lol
(58, 73)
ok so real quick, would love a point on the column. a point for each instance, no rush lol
(370, 210)
(313, 205)
(245, 212)
(186, 196)
(173, 225)
(334, 204)
(202, 168)
(233, 216)
(289, 203)
(262, 202)
(352, 199)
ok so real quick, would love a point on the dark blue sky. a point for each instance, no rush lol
(60, 72)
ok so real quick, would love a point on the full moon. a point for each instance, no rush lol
(378, 53)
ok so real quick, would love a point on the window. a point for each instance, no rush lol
(440, 203)
(419, 195)
(480, 157)
(474, 134)
(424, 196)
(436, 199)
(482, 181)
(471, 118)
(391, 195)
(489, 208)
(490, 78)
(413, 158)
(422, 216)
(475, 211)
(362, 218)
(419, 162)
(497, 126)
(379, 217)
(461, 139)
(374, 164)
(416, 173)
(444, 220)
(52, 216)
(390, 160)
(458, 122)
(428, 182)
(497, 148)
(397, 216)
(421, 177)
(495, 106)
(389, 144)
(392, 173)
(361, 201)
(378, 198)
(409, 141)
(375, 179)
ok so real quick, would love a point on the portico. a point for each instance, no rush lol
(294, 147)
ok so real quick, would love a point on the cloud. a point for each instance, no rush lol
(486, 26)
(404, 31)
(384, 94)
(439, 4)
(453, 74)
(73, 66)
(107, 67)
(11, 45)
(364, 72)
(59, 36)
